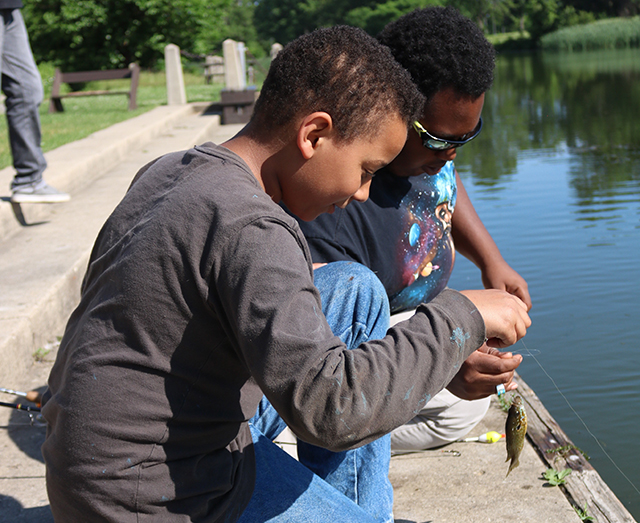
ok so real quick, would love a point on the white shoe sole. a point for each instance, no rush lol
(35, 198)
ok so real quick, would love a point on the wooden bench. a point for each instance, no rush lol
(237, 106)
(213, 69)
(133, 72)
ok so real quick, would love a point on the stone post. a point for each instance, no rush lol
(275, 49)
(176, 94)
(242, 56)
(237, 101)
(234, 73)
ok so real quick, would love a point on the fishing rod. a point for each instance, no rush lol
(33, 395)
(19, 406)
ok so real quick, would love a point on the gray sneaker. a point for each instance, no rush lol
(39, 192)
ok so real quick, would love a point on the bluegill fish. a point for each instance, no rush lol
(515, 429)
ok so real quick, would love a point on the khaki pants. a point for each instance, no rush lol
(444, 419)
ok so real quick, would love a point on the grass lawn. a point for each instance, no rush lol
(86, 115)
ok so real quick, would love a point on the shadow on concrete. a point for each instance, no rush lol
(214, 108)
(27, 431)
(17, 211)
(11, 511)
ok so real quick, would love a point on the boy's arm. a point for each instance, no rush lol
(473, 241)
(328, 395)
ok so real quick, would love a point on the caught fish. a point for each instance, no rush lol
(515, 429)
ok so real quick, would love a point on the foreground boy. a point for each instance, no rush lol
(199, 298)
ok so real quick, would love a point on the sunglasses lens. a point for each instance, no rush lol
(432, 142)
(438, 145)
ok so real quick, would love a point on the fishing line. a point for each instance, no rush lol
(578, 416)
(530, 352)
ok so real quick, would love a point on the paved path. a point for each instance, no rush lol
(42, 261)
(466, 483)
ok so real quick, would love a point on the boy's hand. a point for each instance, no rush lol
(502, 276)
(482, 371)
(505, 316)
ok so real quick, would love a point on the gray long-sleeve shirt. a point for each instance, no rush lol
(198, 298)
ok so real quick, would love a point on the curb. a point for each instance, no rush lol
(75, 165)
(32, 314)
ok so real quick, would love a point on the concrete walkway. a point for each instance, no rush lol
(466, 483)
(43, 254)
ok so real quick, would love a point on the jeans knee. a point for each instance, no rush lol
(351, 279)
(353, 300)
(364, 280)
(25, 90)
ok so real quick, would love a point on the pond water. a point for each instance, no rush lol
(555, 177)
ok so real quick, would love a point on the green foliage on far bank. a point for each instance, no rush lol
(614, 33)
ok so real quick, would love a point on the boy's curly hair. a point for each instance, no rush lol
(441, 48)
(340, 70)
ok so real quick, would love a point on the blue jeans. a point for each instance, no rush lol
(350, 486)
(22, 86)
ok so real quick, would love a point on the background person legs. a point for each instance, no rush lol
(22, 86)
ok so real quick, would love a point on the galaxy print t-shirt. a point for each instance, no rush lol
(402, 233)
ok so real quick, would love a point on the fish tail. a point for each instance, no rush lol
(513, 465)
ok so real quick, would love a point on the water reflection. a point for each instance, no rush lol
(555, 176)
(585, 105)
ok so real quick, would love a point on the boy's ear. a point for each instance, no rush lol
(313, 128)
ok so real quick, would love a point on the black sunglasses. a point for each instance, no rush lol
(438, 144)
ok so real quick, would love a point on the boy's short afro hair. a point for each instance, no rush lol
(441, 48)
(339, 70)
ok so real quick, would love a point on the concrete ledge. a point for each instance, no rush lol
(42, 266)
(24, 334)
(75, 165)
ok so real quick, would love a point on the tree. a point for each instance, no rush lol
(487, 14)
(82, 35)
(238, 22)
(283, 20)
(373, 18)
(607, 7)
(542, 17)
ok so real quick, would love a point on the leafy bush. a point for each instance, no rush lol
(80, 35)
(373, 18)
